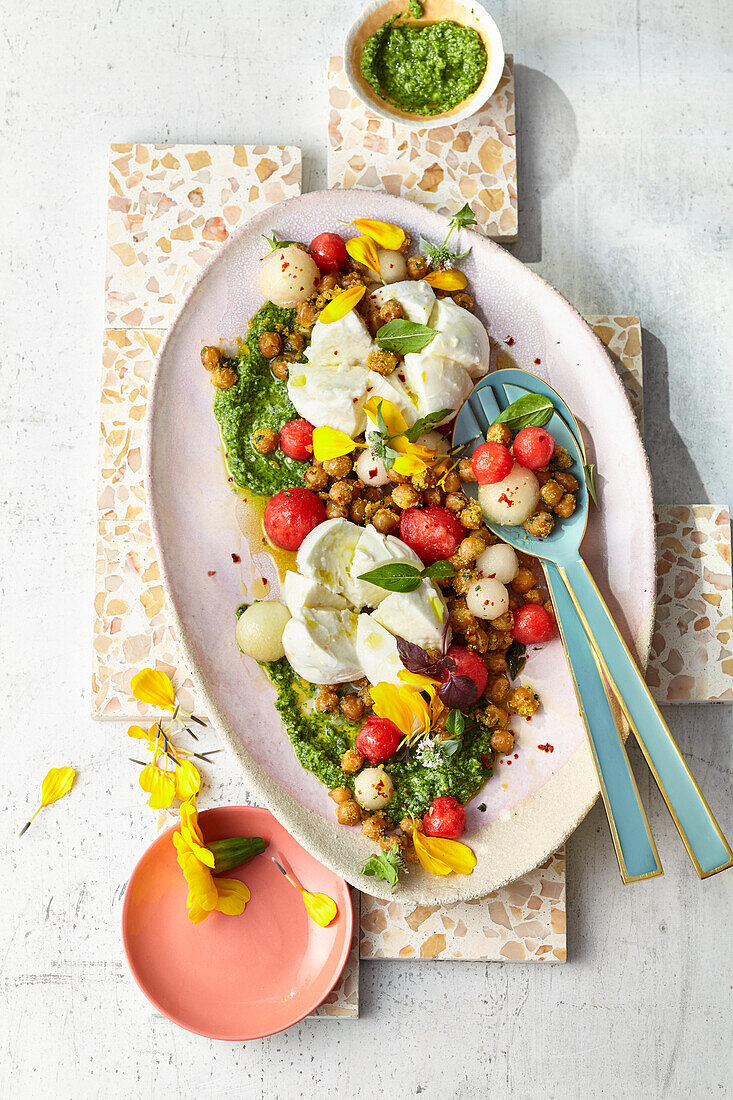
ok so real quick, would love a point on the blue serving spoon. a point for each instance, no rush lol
(700, 832)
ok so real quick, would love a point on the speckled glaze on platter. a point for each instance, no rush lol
(536, 802)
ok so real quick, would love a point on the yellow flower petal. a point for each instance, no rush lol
(151, 686)
(418, 680)
(148, 735)
(385, 234)
(321, 908)
(330, 443)
(342, 304)
(232, 896)
(187, 780)
(56, 784)
(440, 856)
(447, 280)
(159, 785)
(393, 418)
(404, 706)
(407, 465)
(201, 886)
(364, 251)
(191, 832)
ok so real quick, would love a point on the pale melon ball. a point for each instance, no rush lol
(370, 468)
(511, 501)
(260, 628)
(500, 563)
(487, 599)
(288, 276)
(373, 788)
(436, 441)
(392, 266)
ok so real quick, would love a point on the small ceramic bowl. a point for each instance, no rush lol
(471, 15)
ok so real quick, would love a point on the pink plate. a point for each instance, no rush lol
(243, 977)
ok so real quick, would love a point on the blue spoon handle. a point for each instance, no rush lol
(635, 848)
(700, 832)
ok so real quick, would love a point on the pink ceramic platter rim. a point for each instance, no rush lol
(235, 977)
(532, 802)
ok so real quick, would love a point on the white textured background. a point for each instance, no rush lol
(626, 124)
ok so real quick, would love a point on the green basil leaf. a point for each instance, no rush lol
(397, 576)
(449, 747)
(439, 569)
(516, 658)
(386, 865)
(455, 723)
(531, 411)
(464, 216)
(590, 481)
(404, 336)
(274, 244)
(425, 424)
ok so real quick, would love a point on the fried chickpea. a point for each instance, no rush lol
(352, 707)
(478, 640)
(357, 511)
(340, 794)
(550, 610)
(338, 467)
(452, 482)
(397, 479)
(560, 460)
(566, 507)
(496, 717)
(210, 357)
(417, 267)
(371, 316)
(405, 246)
(391, 311)
(315, 478)
(354, 277)
(404, 496)
(523, 701)
(264, 440)
(455, 502)
(470, 548)
(523, 581)
(374, 827)
(348, 813)
(351, 761)
(503, 622)
(341, 492)
(568, 482)
(463, 578)
(424, 479)
(464, 300)
(502, 741)
(336, 511)
(462, 620)
(495, 663)
(472, 517)
(280, 367)
(433, 498)
(328, 282)
(307, 314)
(497, 689)
(551, 492)
(294, 342)
(224, 378)
(383, 362)
(326, 701)
(365, 695)
(465, 470)
(390, 841)
(543, 475)
(385, 520)
(408, 852)
(534, 596)
(539, 524)
(270, 344)
(499, 433)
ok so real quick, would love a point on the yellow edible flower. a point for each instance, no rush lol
(447, 280)
(205, 893)
(405, 706)
(159, 784)
(154, 687)
(331, 443)
(342, 304)
(440, 856)
(321, 908)
(142, 735)
(385, 234)
(430, 686)
(364, 251)
(57, 783)
(187, 779)
(412, 457)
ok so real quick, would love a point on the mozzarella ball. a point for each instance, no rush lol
(373, 788)
(487, 599)
(435, 441)
(392, 266)
(511, 501)
(499, 562)
(288, 276)
(370, 468)
(260, 628)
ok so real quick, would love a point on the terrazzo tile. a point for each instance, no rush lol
(622, 338)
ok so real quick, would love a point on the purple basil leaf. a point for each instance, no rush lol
(458, 692)
(442, 667)
(413, 657)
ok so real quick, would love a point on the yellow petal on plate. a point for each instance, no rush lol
(188, 779)
(393, 418)
(191, 832)
(385, 234)
(364, 251)
(342, 304)
(159, 785)
(404, 706)
(201, 886)
(440, 856)
(151, 686)
(196, 914)
(232, 896)
(331, 443)
(447, 280)
(321, 908)
(408, 465)
(418, 680)
(56, 784)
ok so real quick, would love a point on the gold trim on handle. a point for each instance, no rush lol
(601, 660)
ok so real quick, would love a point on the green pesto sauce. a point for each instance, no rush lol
(257, 400)
(318, 743)
(424, 69)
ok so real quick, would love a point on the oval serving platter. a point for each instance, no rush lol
(534, 800)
